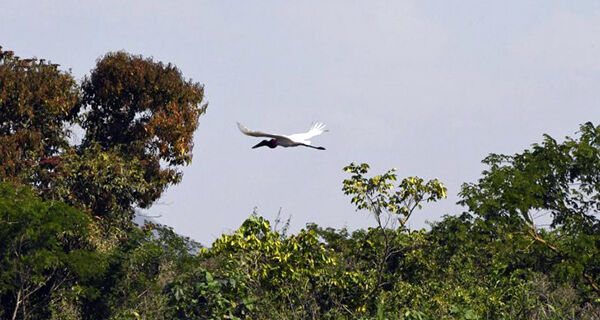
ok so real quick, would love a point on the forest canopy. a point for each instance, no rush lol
(69, 248)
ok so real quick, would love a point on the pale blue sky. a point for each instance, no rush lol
(428, 87)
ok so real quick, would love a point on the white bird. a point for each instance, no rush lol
(292, 140)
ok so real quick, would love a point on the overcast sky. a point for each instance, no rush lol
(427, 87)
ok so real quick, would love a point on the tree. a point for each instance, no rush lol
(140, 276)
(139, 117)
(389, 205)
(147, 111)
(105, 183)
(267, 275)
(562, 179)
(379, 196)
(37, 104)
(43, 251)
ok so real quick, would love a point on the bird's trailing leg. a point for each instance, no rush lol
(318, 148)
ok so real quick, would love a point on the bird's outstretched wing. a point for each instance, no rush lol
(316, 129)
(251, 133)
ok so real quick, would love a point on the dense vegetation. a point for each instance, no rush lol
(70, 250)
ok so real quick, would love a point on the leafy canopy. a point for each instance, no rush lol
(379, 195)
(37, 103)
(560, 178)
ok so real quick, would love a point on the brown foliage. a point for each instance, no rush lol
(139, 118)
(37, 102)
(145, 105)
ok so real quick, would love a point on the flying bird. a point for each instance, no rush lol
(292, 140)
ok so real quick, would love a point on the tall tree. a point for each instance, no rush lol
(139, 117)
(37, 103)
(390, 205)
(148, 110)
(562, 179)
(557, 178)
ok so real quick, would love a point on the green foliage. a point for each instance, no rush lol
(69, 250)
(42, 249)
(198, 295)
(561, 178)
(379, 195)
(139, 117)
(269, 267)
(103, 182)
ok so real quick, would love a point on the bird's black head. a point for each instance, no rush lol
(269, 143)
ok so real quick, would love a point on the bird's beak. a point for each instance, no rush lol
(260, 144)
